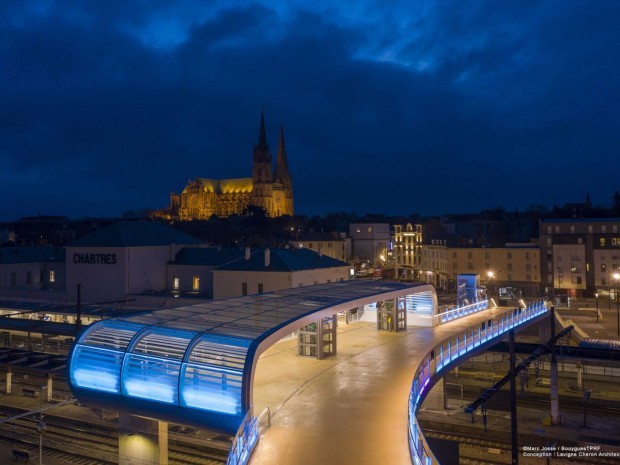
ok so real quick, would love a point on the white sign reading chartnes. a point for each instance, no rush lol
(95, 258)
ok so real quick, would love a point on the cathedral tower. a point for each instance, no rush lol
(283, 182)
(262, 174)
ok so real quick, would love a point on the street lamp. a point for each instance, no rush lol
(616, 277)
(596, 297)
(491, 275)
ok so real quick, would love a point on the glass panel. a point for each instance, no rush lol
(151, 378)
(220, 352)
(110, 334)
(215, 389)
(96, 368)
(162, 343)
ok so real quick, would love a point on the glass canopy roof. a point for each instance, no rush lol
(201, 356)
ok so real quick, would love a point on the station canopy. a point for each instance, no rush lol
(194, 364)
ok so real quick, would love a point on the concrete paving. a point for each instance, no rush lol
(351, 409)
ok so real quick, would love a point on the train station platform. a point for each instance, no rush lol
(351, 408)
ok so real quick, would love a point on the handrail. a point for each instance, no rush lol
(446, 352)
(267, 412)
(459, 312)
(247, 436)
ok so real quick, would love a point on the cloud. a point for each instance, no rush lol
(422, 107)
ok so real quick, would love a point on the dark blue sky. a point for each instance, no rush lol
(394, 107)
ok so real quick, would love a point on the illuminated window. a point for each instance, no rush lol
(602, 241)
(175, 283)
(573, 269)
(52, 276)
(603, 267)
(369, 230)
(196, 283)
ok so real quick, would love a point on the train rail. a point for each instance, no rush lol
(85, 443)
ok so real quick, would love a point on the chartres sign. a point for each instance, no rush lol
(95, 258)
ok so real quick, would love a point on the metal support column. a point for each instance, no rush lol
(555, 406)
(513, 399)
(9, 380)
(49, 391)
(142, 441)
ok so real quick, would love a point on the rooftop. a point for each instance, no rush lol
(283, 260)
(135, 234)
(31, 254)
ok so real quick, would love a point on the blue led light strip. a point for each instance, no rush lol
(448, 351)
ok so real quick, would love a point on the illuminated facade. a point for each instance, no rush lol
(516, 266)
(407, 250)
(332, 244)
(435, 264)
(371, 242)
(269, 189)
(580, 256)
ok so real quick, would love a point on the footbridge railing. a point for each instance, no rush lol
(449, 352)
(459, 311)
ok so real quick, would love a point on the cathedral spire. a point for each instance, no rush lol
(262, 136)
(281, 162)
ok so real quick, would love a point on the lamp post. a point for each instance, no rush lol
(491, 275)
(616, 277)
(586, 397)
(596, 297)
(41, 425)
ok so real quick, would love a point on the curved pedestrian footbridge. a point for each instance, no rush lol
(197, 365)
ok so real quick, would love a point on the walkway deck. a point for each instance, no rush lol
(351, 409)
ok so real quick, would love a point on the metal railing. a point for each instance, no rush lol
(454, 313)
(247, 436)
(443, 354)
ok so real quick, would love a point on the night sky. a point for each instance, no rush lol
(392, 107)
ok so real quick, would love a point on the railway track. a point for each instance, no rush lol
(86, 443)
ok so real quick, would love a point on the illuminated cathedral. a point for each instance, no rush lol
(269, 189)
